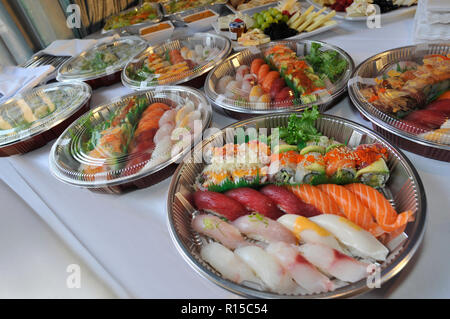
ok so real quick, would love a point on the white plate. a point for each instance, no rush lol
(251, 11)
(237, 47)
(343, 15)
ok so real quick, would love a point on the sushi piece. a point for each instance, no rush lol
(288, 202)
(333, 262)
(309, 232)
(264, 229)
(274, 276)
(254, 201)
(441, 135)
(256, 64)
(262, 72)
(432, 119)
(222, 84)
(318, 199)
(283, 165)
(352, 207)
(219, 204)
(311, 169)
(358, 241)
(219, 230)
(241, 71)
(381, 209)
(229, 265)
(340, 164)
(302, 271)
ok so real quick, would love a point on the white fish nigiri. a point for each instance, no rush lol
(219, 230)
(335, 263)
(163, 131)
(222, 84)
(301, 270)
(308, 232)
(241, 71)
(261, 228)
(274, 276)
(168, 118)
(184, 110)
(360, 242)
(227, 263)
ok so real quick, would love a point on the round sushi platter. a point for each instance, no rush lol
(409, 111)
(37, 116)
(244, 86)
(102, 64)
(205, 231)
(186, 60)
(132, 142)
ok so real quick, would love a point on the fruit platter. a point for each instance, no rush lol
(280, 76)
(404, 92)
(296, 206)
(359, 10)
(185, 60)
(133, 142)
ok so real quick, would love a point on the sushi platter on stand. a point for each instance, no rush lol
(174, 208)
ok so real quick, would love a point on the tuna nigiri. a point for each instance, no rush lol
(353, 208)
(264, 229)
(381, 209)
(302, 271)
(315, 197)
(360, 242)
(335, 263)
(219, 204)
(267, 268)
(219, 230)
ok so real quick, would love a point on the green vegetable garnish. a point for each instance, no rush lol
(255, 217)
(301, 129)
(327, 63)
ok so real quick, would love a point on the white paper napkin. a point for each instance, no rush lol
(438, 5)
(14, 80)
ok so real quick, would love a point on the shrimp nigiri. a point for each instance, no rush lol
(335, 263)
(315, 197)
(219, 230)
(360, 242)
(302, 271)
(381, 209)
(227, 263)
(261, 228)
(267, 268)
(353, 208)
(309, 232)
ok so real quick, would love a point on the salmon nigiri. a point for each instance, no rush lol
(381, 209)
(353, 208)
(315, 197)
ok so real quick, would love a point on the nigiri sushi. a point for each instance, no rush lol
(381, 209)
(227, 263)
(352, 207)
(222, 84)
(358, 241)
(254, 201)
(302, 271)
(219, 204)
(315, 197)
(309, 232)
(219, 230)
(261, 228)
(288, 202)
(267, 268)
(335, 263)
(241, 71)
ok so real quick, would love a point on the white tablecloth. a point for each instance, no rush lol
(124, 238)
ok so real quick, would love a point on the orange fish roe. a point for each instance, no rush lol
(339, 157)
(289, 157)
(368, 153)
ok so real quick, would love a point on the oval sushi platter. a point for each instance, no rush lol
(132, 142)
(410, 111)
(35, 117)
(240, 87)
(234, 224)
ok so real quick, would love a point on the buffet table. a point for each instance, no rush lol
(125, 240)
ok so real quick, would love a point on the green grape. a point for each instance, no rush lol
(264, 26)
(279, 16)
(285, 18)
(269, 20)
(256, 15)
(260, 20)
(273, 11)
(267, 15)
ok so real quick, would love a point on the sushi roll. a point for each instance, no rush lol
(311, 169)
(340, 164)
(283, 165)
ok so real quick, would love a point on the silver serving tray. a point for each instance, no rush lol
(214, 5)
(64, 159)
(404, 190)
(240, 109)
(64, 71)
(134, 28)
(210, 39)
(384, 123)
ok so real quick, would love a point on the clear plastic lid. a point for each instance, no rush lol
(130, 138)
(406, 91)
(176, 61)
(101, 60)
(280, 76)
(37, 110)
(134, 18)
(177, 6)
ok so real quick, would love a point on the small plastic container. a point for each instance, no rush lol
(102, 64)
(237, 92)
(157, 32)
(387, 66)
(35, 117)
(200, 21)
(132, 142)
(184, 60)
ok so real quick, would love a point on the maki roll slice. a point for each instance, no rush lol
(311, 169)
(340, 164)
(283, 166)
(371, 165)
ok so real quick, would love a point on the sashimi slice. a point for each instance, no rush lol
(315, 197)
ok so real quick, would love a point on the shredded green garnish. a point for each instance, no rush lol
(256, 217)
